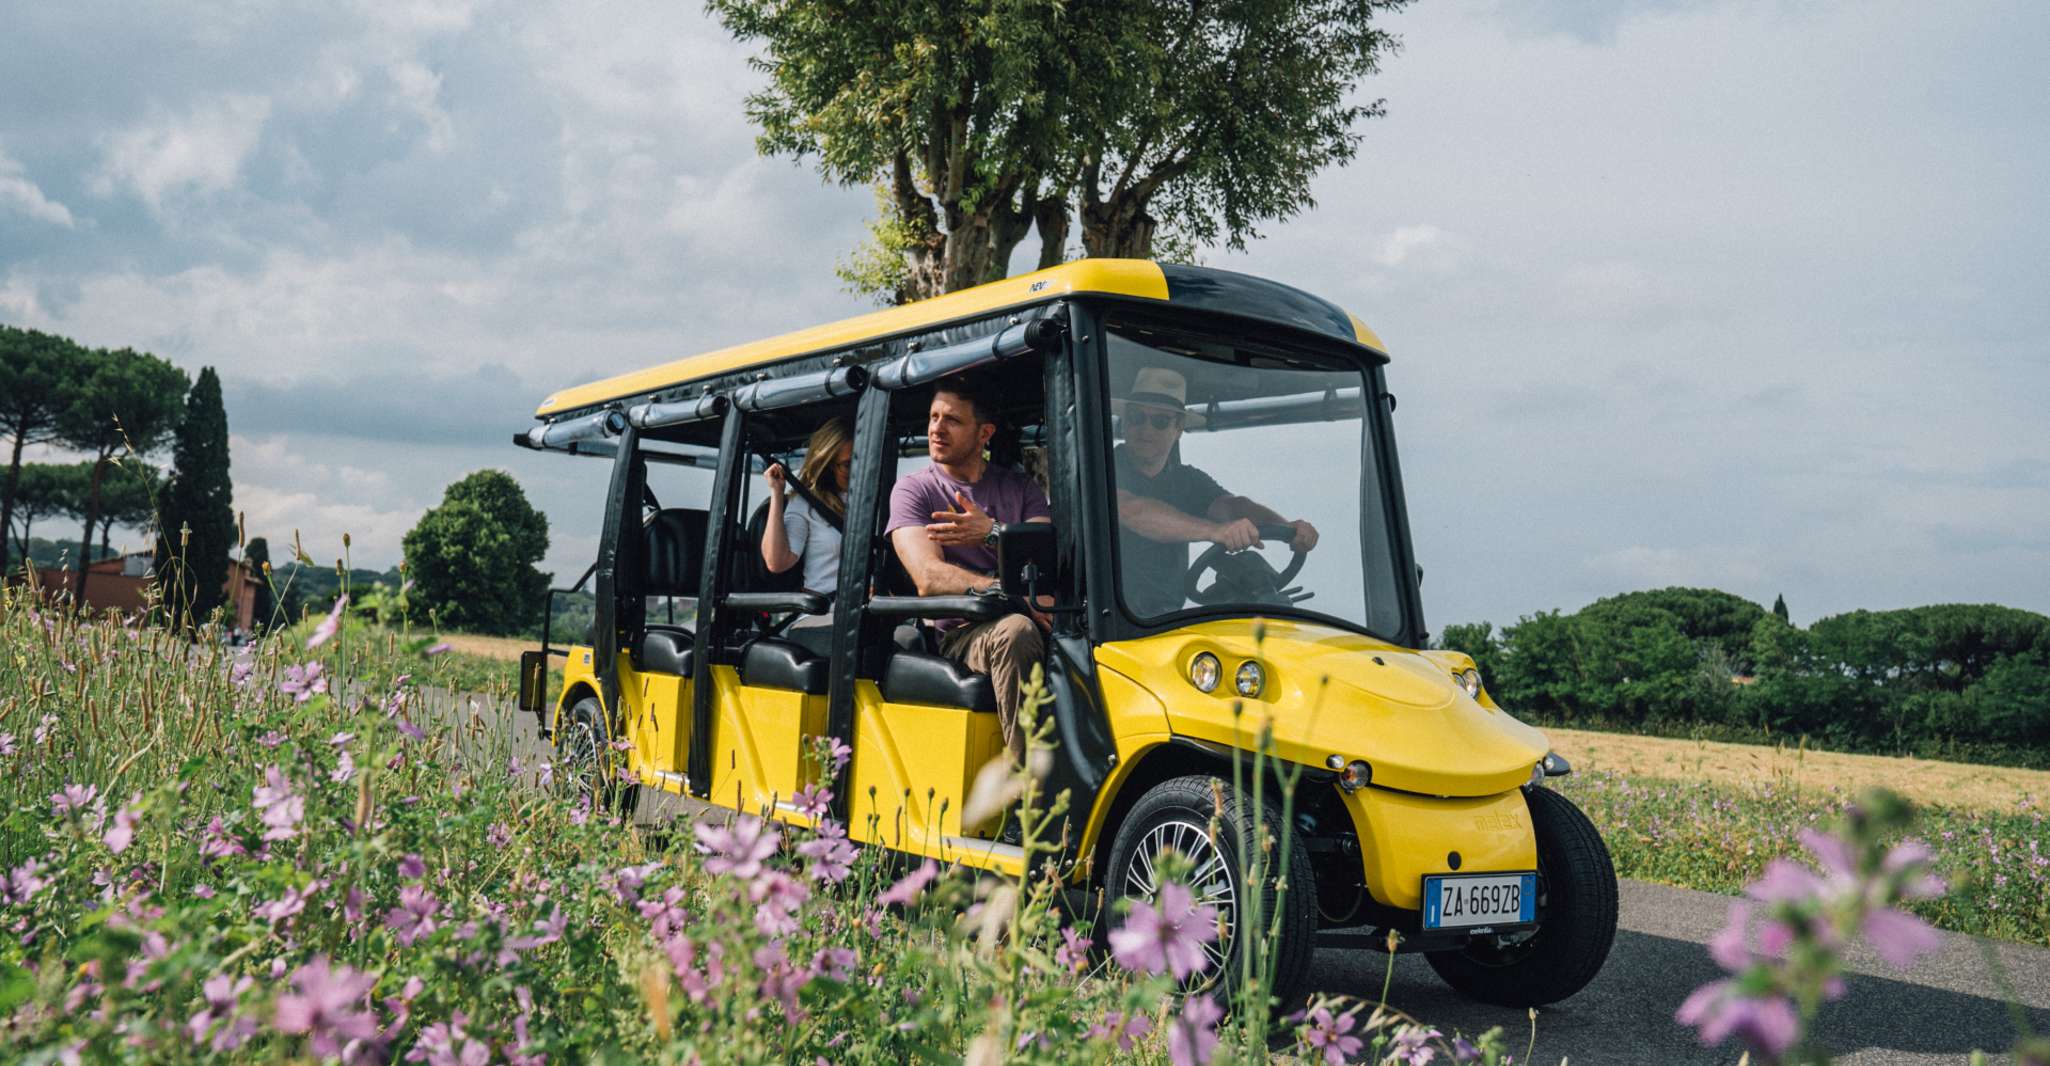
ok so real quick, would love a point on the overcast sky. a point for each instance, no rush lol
(1742, 294)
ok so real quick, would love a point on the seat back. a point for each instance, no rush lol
(673, 552)
(751, 574)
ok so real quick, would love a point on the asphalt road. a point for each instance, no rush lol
(1948, 1005)
(1938, 1012)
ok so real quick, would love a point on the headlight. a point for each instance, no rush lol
(1356, 775)
(1205, 672)
(1470, 680)
(1537, 776)
(1250, 679)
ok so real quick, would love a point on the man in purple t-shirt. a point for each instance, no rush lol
(944, 522)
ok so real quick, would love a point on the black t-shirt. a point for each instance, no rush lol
(1153, 571)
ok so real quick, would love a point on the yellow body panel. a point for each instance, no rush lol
(1332, 692)
(913, 766)
(1403, 837)
(1125, 277)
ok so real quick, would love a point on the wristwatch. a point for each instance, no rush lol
(996, 529)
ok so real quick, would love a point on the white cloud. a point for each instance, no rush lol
(1423, 245)
(18, 193)
(202, 149)
(1641, 567)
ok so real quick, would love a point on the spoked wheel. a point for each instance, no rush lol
(1175, 816)
(1576, 918)
(586, 768)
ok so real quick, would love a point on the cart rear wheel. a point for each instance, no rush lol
(587, 768)
(1577, 918)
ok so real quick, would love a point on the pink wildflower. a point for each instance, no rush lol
(414, 917)
(123, 831)
(834, 964)
(222, 996)
(1127, 1030)
(72, 799)
(1332, 1036)
(7, 744)
(1899, 937)
(777, 897)
(1412, 1045)
(22, 882)
(217, 843)
(1073, 954)
(279, 808)
(1767, 1024)
(345, 768)
(303, 682)
(813, 801)
(1192, 1034)
(737, 849)
(831, 854)
(1170, 938)
(411, 867)
(666, 915)
(325, 631)
(907, 890)
(326, 1006)
(441, 648)
(289, 905)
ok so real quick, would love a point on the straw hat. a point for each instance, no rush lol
(1160, 387)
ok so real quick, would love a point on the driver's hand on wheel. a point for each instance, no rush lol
(1237, 535)
(1305, 536)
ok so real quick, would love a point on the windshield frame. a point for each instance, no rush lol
(1377, 439)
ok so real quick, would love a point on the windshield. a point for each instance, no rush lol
(1221, 443)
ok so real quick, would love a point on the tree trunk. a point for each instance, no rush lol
(85, 544)
(1118, 228)
(1051, 216)
(7, 502)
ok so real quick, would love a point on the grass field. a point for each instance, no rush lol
(1928, 781)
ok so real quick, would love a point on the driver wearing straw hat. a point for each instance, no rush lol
(1164, 504)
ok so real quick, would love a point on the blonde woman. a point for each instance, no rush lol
(796, 531)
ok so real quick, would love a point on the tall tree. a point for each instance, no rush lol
(981, 121)
(45, 490)
(257, 557)
(38, 376)
(472, 558)
(127, 401)
(197, 533)
(1779, 608)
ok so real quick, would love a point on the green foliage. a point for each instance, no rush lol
(44, 490)
(472, 558)
(127, 402)
(196, 533)
(1923, 679)
(39, 378)
(982, 122)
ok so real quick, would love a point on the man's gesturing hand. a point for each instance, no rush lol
(1237, 534)
(967, 526)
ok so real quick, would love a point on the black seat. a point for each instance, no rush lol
(666, 650)
(784, 664)
(935, 680)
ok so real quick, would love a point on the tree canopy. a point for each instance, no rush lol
(472, 559)
(197, 531)
(125, 402)
(38, 381)
(1146, 121)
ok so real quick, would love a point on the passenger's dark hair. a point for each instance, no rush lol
(974, 388)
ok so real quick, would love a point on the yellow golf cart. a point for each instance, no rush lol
(1419, 804)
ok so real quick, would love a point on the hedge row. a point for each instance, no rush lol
(1949, 679)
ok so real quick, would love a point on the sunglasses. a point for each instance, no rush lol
(1158, 419)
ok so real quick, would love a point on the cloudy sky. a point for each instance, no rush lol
(1742, 294)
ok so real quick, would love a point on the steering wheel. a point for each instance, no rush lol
(1246, 577)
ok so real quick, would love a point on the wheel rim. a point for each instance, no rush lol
(1210, 881)
(580, 757)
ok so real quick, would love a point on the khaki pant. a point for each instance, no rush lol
(1006, 650)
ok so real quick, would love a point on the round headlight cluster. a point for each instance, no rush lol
(1250, 679)
(1470, 680)
(1205, 672)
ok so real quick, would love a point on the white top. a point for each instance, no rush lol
(815, 543)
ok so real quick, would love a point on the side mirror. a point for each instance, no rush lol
(533, 680)
(1028, 563)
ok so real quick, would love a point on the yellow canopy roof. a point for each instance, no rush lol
(1123, 277)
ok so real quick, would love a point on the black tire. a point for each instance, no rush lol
(587, 763)
(1183, 807)
(1577, 921)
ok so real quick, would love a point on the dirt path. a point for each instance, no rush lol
(1948, 784)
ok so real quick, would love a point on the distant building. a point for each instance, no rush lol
(123, 584)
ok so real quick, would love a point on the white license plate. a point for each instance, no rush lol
(1457, 901)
